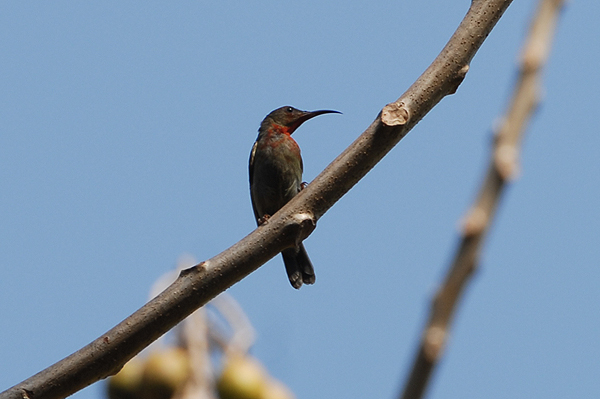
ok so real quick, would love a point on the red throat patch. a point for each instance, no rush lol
(281, 129)
(273, 141)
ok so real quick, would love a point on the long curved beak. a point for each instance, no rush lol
(309, 115)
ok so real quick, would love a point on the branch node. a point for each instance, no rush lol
(531, 61)
(306, 223)
(395, 114)
(200, 267)
(458, 78)
(506, 161)
(435, 337)
(475, 222)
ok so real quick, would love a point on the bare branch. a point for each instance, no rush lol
(502, 167)
(295, 221)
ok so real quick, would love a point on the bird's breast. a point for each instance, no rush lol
(277, 173)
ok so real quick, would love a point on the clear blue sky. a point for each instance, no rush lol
(124, 140)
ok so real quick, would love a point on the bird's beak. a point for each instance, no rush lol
(309, 115)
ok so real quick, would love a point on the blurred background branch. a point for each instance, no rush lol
(503, 166)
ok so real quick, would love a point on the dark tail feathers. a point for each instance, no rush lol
(298, 266)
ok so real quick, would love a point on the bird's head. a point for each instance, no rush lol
(291, 118)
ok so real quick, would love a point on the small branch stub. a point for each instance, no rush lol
(435, 337)
(475, 222)
(395, 114)
(458, 79)
(506, 161)
(200, 267)
(306, 223)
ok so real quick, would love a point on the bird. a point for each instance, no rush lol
(275, 170)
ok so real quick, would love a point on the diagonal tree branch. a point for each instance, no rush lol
(294, 222)
(502, 167)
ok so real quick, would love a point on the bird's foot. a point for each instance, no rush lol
(263, 219)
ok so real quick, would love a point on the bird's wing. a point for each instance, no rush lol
(251, 163)
(251, 174)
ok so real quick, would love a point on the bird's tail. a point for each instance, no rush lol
(298, 266)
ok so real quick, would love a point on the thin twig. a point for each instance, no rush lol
(194, 336)
(294, 222)
(502, 167)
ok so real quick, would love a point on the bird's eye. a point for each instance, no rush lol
(290, 109)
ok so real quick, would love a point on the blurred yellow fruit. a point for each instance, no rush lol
(165, 371)
(126, 383)
(242, 378)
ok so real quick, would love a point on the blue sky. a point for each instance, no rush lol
(124, 144)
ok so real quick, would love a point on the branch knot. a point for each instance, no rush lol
(305, 224)
(395, 114)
